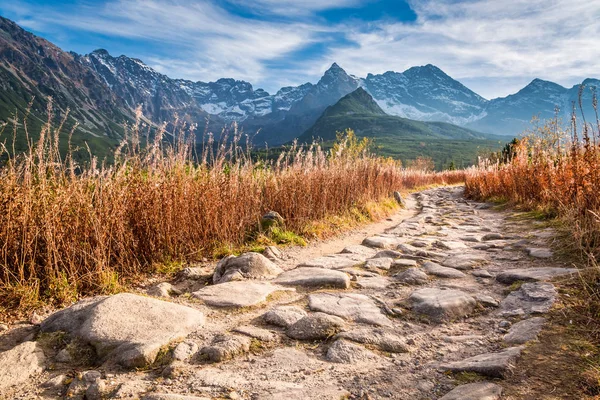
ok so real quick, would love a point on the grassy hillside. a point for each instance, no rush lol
(398, 137)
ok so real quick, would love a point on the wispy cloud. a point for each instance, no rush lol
(494, 47)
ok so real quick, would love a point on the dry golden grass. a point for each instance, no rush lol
(68, 230)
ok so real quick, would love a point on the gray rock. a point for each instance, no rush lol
(168, 396)
(403, 262)
(533, 274)
(313, 278)
(225, 347)
(163, 289)
(245, 267)
(284, 316)
(471, 239)
(475, 391)
(271, 219)
(464, 261)
(408, 249)
(387, 254)
(486, 300)
(495, 365)
(540, 252)
(384, 339)
(96, 391)
(256, 333)
(352, 306)
(492, 236)
(443, 272)
(360, 250)
(412, 276)
(398, 198)
(273, 253)
(449, 245)
(376, 282)
(379, 263)
(63, 356)
(381, 242)
(337, 261)
(55, 383)
(482, 273)
(20, 363)
(237, 294)
(442, 304)
(344, 352)
(316, 326)
(193, 273)
(531, 298)
(185, 350)
(525, 331)
(419, 243)
(126, 328)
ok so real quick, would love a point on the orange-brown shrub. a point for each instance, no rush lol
(68, 229)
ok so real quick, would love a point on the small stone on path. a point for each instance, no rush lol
(225, 347)
(284, 316)
(344, 352)
(388, 254)
(351, 306)
(540, 252)
(412, 276)
(237, 294)
(256, 333)
(247, 266)
(525, 331)
(376, 282)
(379, 263)
(464, 261)
(384, 339)
(495, 365)
(185, 350)
(443, 272)
(482, 273)
(316, 326)
(475, 391)
(492, 236)
(440, 304)
(530, 298)
(359, 249)
(381, 242)
(163, 289)
(403, 262)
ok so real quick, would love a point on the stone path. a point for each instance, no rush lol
(454, 288)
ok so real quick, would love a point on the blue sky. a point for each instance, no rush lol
(494, 47)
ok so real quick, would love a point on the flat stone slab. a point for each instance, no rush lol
(443, 272)
(314, 277)
(442, 304)
(464, 261)
(359, 249)
(226, 347)
(541, 252)
(383, 263)
(256, 333)
(344, 352)
(351, 306)
(525, 331)
(20, 363)
(482, 273)
(383, 338)
(412, 276)
(375, 282)
(404, 262)
(284, 316)
(381, 242)
(475, 391)
(531, 298)
(533, 274)
(495, 365)
(450, 245)
(126, 328)
(237, 294)
(337, 261)
(387, 254)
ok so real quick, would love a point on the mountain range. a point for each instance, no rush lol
(103, 91)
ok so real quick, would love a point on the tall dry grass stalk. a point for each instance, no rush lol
(68, 229)
(555, 169)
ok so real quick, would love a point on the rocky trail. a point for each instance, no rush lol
(451, 287)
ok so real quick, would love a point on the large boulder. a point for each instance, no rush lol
(245, 267)
(126, 328)
(18, 364)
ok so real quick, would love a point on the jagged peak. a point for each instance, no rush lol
(101, 52)
(540, 83)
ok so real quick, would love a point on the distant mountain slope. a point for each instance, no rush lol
(396, 136)
(425, 93)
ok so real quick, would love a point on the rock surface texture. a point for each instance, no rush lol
(401, 309)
